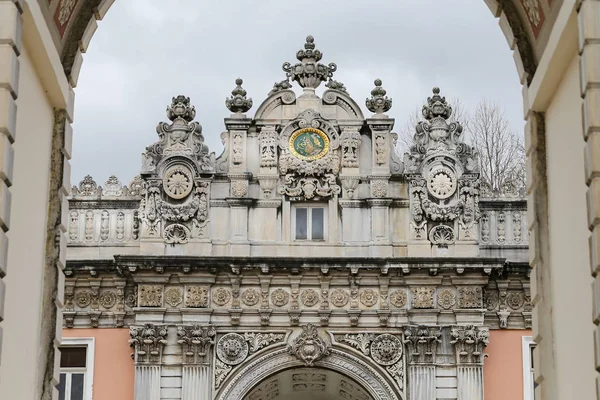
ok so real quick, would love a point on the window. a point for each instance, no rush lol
(309, 222)
(529, 384)
(76, 369)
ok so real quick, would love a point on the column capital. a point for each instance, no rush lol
(469, 342)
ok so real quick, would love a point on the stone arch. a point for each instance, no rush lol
(237, 386)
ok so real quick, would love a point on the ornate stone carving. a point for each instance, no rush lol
(259, 340)
(517, 228)
(379, 188)
(250, 297)
(107, 299)
(491, 299)
(238, 103)
(268, 146)
(104, 228)
(485, 228)
(120, 228)
(221, 296)
(442, 235)
(177, 234)
(350, 144)
(232, 349)
(310, 176)
(196, 296)
(360, 341)
(136, 185)
(386, 349)
(178, 182)
(309, 297)
(309, 73)
(196, 342)
(469, 342)
(378, 103)
(151, 296)
(113, 187)
(339, 297)
(89, 225)
(280, 297)
(503, 318)
(173, 297)
(239, 188)
(470, 297)
(446, 299)
(500, 226)
(369, 297)
(422, 343)
(422, 297)
(221, 372)
(309, 347)
(148, 342)
(131, 297)
(83, 299)
(441, 182)
(74, 226)
(398, 298)
(533, 12)
(515, 300)
(87, 187)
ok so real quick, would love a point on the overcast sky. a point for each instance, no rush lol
(147, 51)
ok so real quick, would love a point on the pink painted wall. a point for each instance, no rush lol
(113, 366)
(503, 369)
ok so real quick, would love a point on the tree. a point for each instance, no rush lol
(501, 150)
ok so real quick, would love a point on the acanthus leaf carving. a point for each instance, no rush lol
(422, 343)
(148, 342)
(469, 342)
(197, 342)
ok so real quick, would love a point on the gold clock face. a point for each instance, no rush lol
(309, 144)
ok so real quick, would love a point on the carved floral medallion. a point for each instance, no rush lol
(232, 349)
(386, 349)
(369, 297)
(339, 297)
(398, 298)
(515, 300)
(309, 297)
(178, 182)
(280, 297)
(446, 299)
(309, 144)
(173, 297)
(221, 296)
(107, 299)
(83, 299)
(470, 297)
(422, 297)
(250, 297)
(441, 182)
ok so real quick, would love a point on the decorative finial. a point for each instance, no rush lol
(336, 85)
(436, 106)
(378, 103)
(180, 108)
(309, 73)
(238, 103)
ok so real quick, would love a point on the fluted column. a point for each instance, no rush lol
(421, 346)
(148, 342)
(469, 342)
(196, 345)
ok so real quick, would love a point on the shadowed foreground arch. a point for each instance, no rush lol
(66, 28)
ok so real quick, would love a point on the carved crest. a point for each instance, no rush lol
(309, 347)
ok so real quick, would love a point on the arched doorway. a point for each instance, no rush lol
(308, 384)
(275, 371)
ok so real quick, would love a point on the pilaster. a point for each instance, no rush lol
(147, 342)
(421, 347)
(197, 345)
(469, 342)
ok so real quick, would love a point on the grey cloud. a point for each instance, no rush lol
(146, 51)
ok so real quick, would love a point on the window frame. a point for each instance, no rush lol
(88, 378)
(309, 207)
(528, 377)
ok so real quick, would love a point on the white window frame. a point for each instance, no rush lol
(309, 221)
(528, 383)
(88, 378)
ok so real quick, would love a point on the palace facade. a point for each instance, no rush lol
(308, 261)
